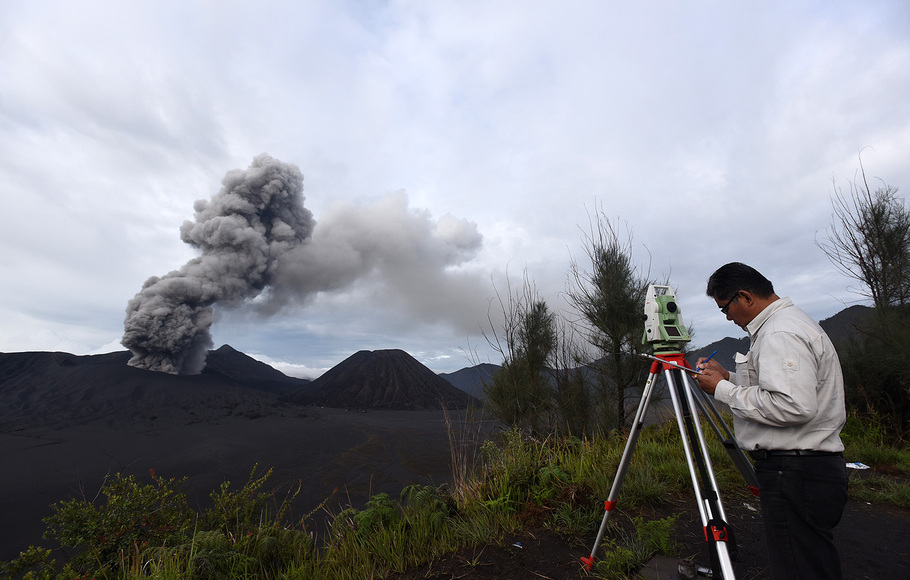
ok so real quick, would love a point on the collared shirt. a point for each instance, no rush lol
(788, 391)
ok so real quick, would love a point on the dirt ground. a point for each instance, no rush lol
(337, 456)
(872, 539)
(362, 454)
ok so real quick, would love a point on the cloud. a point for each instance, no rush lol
(713, 129)
(290, 369)
(411, 261)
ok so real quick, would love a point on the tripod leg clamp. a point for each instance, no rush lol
(716, 531)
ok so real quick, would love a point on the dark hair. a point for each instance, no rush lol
(735, 276)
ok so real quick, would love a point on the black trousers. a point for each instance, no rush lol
(802, 500)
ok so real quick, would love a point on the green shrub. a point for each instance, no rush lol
(32, 564)
(131, 515)
(379, 513)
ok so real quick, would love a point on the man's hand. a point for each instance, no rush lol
(713, 373)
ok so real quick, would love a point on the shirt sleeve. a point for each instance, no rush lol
(787, 383)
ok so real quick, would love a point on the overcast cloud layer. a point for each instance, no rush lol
(443, 146)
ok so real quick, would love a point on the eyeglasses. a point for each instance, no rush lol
(726, 306)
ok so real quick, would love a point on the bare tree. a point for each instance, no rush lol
(869, 240)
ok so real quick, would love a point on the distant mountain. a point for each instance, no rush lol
(383, 379)
(51, 388)
(240, 368)
(840, 327)
(472, 379)
(843, 325)
(726, 351)
(48, 388)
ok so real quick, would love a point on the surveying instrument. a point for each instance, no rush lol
(665, 332)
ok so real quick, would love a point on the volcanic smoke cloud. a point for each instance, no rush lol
(259, 242)
(257, 217)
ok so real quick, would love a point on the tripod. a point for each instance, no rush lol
(685, 398)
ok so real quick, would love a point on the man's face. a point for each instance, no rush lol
(735, 310)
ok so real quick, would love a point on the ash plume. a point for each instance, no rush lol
(408, 260)
(262, 250)
(242, 231)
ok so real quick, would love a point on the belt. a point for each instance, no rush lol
(760, 454)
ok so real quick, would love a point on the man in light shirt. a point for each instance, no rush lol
(787, 400)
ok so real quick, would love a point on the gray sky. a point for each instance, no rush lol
(444, 146)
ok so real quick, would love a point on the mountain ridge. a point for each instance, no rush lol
(383, 379)
(43, 387)
(839, 327)
(46, 389)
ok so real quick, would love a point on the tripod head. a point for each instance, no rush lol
(664, 328)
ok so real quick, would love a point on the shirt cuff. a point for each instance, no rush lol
(724, 391)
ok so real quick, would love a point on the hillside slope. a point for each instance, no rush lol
(383, 379)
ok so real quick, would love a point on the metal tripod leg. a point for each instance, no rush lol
(714, 520)
(623, 466)
(713, 416)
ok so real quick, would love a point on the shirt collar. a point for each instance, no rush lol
(757, 322)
